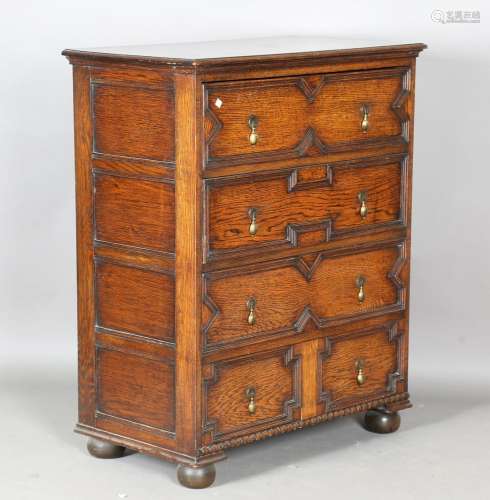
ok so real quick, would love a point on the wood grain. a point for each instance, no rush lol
(165, 179)
(338, 370)
(135, 169)
(134, 344)
(294, 199)
(226, 401)
(135, 257)
(135, 300)
(188, 264)
(124, 430)
(135, 212)
(240, 62)
(327, 106)
(136, 388)
(134, 121)
(85, 264)
(399, 401)
(310, 387)
(283, 293)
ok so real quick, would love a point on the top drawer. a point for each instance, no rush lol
(281, 118)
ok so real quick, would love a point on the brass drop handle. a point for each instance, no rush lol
(250, 394)
(365, 118)
(252, 229)
(360, 377)
(363, 210)
(251, 303)
(360, 283)
(253, 123)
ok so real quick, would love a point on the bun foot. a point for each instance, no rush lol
(196, 476)
(103, 449)
(382, 421)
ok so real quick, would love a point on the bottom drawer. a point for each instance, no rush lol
(361, 366)
(260, 391)
(251, 392)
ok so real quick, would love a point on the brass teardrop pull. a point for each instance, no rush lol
(360, 283)
(252, 229)
(251, 303)
(250, 394)
(253, 123)
(365, 117)
(363, 210)
(360, 377)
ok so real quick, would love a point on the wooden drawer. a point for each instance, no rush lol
(303, 206)
(305, 116)
(274, 298)
(249, 393)
(359, 367)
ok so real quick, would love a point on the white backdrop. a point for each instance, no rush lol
(450, 334)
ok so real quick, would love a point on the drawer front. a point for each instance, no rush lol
(303, 206)
(283, 296)
(280, 118)
(361, 367)
(249, 393)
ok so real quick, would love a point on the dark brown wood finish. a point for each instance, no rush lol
(85, 229)
(374, 355)
(320, 113)
(133, 121)
(136, 389)
(303, 206)
(240, 62)
(290, 293)
(135, 300)
(182, 311)
(273, 378)
(135, 212)
(103, 449)
(188, 264)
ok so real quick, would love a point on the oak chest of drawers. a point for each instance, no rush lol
(243, 235)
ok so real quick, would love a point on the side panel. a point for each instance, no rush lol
(133, 120)
(135, 300)
(85, 266)
(135, 212)
(125, 160)
(137, 389)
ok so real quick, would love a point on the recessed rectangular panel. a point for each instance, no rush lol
(359, 367)
(135, 388)
(135, 212)
(135, 300)
(134, 121)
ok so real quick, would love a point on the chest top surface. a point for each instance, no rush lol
(246, 50)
